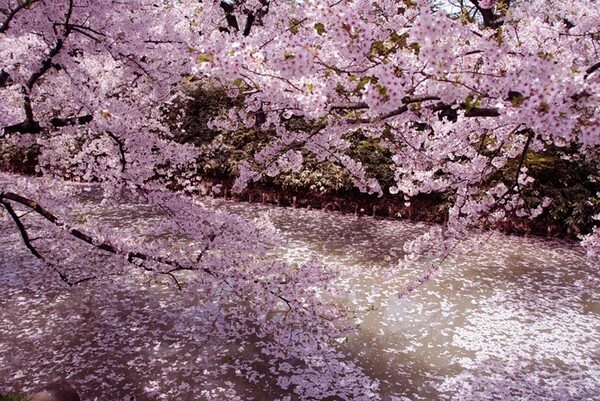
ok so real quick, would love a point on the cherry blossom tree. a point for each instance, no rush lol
(90, 83)
(455, 92)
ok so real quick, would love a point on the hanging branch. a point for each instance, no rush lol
(469, 111)
(11, 15)
(104, 246)
(530, 135)
(21, 228)
(121, 147)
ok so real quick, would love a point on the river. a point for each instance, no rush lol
(510, 319)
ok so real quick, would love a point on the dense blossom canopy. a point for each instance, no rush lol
(455, 93)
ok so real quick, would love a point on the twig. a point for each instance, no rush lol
(105, 246)
(21, 228)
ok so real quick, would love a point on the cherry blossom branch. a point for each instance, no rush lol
(58, 122)
(490, 19)
(104, 246)
(406, 141)
(591, 70)
(482, 112)
(30, 125)
(121, 147)
(469, 111)
(343, 70)
(530, 135)
(379, 118)
(363, 105)
(11, 15)
(84, 30)
(263, 74)
(289, 29)
(21, 228)
(348, 106)
(47, 63)
(28, 241)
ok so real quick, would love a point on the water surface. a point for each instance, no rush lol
(512, 319)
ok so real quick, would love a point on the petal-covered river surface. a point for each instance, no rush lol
(511, 319)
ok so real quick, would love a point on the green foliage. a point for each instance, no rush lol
(564, 177)
(220, 152)
(391, 45)
(376, 159)
(560, 173)
(205, 102)
(470, 103)
(206, 58)
(399, 40)
(12, 397)
(294, 24)
(18, 159)
(545, 55)
(322, 177)
(320, 28)
(570, 184)
(377, 48)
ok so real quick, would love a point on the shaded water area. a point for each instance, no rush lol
(511, 319)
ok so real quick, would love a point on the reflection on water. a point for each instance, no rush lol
(513, 319)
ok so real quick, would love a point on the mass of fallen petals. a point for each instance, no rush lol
(509, 318)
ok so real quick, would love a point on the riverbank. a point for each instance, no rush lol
(429, 208)
(567, 217)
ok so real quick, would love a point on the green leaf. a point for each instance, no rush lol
(499, 37)
(415, 47)
(470, 103)
(206, 58)
(543, 107)
(517, 100)
(382, 90)
(545, 55)
(239, 82)
(377, 48)
(320, 28)
(399, 40)
(294, 24)
(363, 83)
